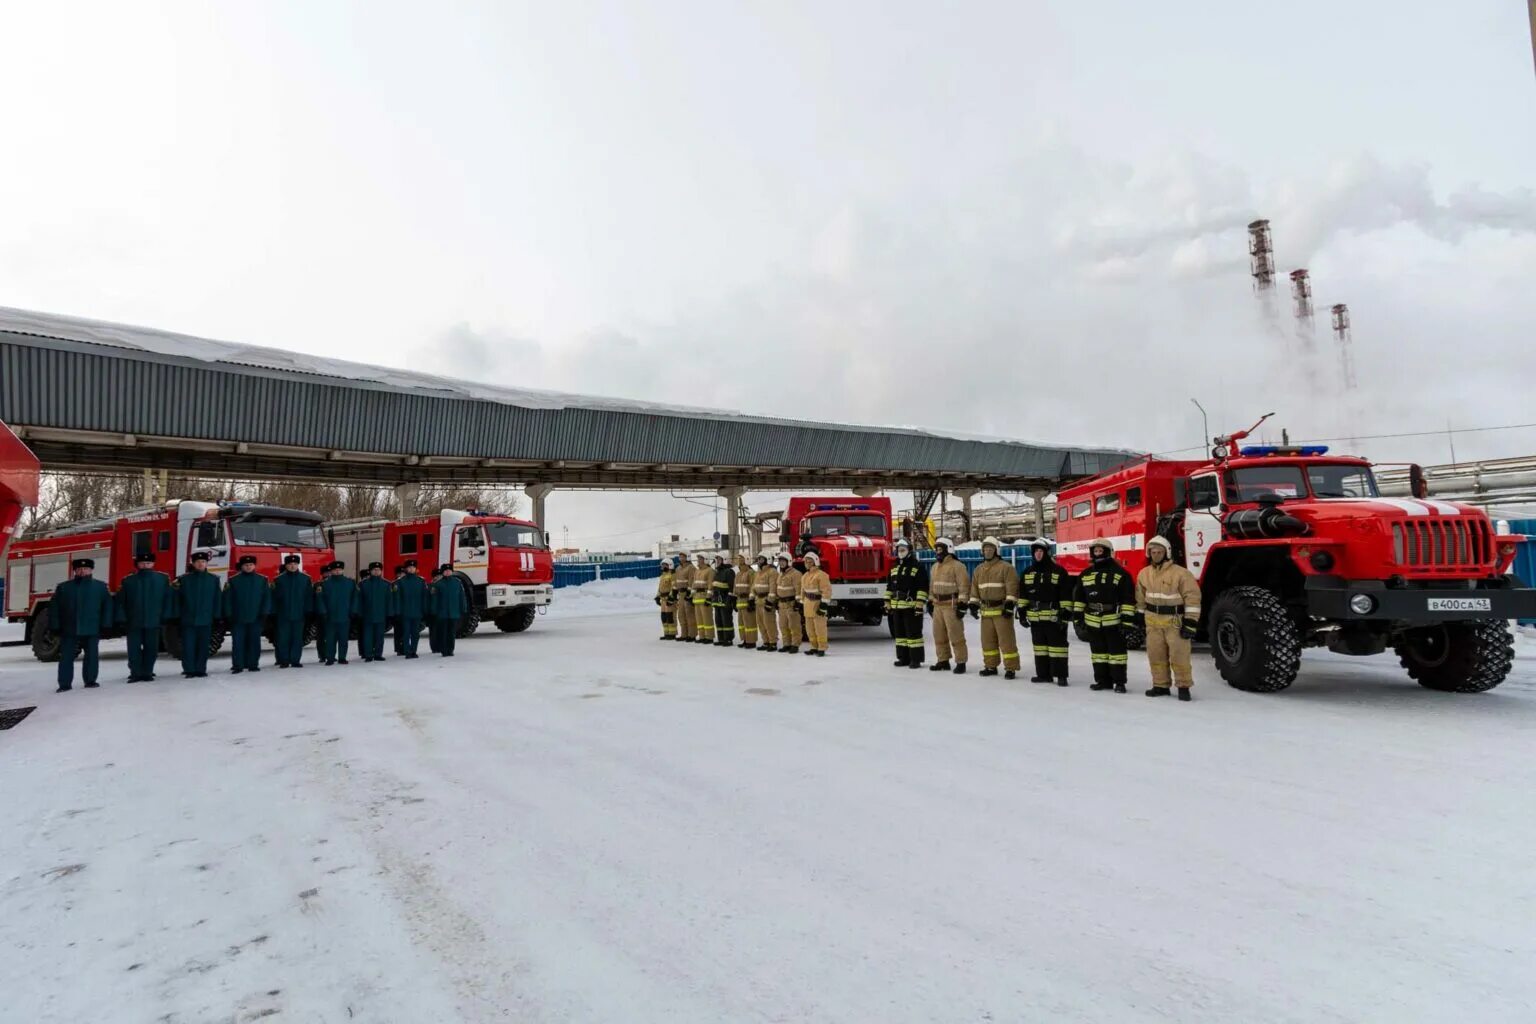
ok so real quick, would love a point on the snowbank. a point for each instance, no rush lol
(605, 597)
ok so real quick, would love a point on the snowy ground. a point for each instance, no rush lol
(580, 823)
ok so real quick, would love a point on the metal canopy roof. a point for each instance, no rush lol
(95, 395)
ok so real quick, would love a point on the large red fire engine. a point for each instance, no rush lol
(19, 476)
(852, 536)
(227, 530)
(505, 561)
(1296, 548)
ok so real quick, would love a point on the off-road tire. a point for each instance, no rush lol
(1458, 657)
(170, 639)
(1254, 642)
(45, 642)
(311, 633)
(468, 624)
(517, 619)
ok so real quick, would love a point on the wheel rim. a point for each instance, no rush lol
(1229, 640)
(1430, 646)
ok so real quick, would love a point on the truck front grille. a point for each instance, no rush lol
(860, 562)
(1449, 545)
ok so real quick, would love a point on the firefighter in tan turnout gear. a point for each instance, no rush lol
(994, 596)
(949, 590)
(746, 607)
(765, 586)
(700, 587)
(815, 592)
(665, 601)
(682, 599)
(786, 602)
(1168, 598)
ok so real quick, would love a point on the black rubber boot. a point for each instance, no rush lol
(1009, 674)
(914, 664)
(820, 654)
(1061, 682)
(960, 669)
(987, 672)
(1039, 679)
(1119, 687)
(1100, 686)
(1158, 691)
(1184, 693)
(939, 666)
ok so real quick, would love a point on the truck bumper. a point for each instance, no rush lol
(1331, 597)
(873, 591)
(513, 595)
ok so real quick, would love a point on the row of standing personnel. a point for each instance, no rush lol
(771, 602)
(83, 609)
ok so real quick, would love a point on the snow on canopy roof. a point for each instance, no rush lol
(152, 341)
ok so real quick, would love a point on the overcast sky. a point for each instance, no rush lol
(1014, 218)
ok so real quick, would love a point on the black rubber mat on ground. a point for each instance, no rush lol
(13, 717)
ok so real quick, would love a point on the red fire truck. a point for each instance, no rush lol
(1297, 548)
(227, 530)
(505, 562)
(852, 536)
(19, 476)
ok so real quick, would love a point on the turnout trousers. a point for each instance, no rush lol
(746, 615)
(725, 628)
(815, 625)
(948, 632)
(195, 641)
(686, 627)
(999, 642)
(247, 645)
(1106, 641)
(1049, 637)
(703, 617)
(767, 625)
(1168, 654)
(288, 642)
(143, 648)
(668, 620)
(907, 621)
(88, 647)
(789, 624)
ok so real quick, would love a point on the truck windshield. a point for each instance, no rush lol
(510, 535)
(1342, 482)
(1265, 483)
(277, 533)
(834, 526)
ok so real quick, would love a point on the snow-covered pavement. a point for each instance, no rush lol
(579, 823)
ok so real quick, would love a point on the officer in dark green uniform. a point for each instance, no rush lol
(81, 610)
(143, 605)
(429, 613)
(375, 604)
(447, 604)
(293, 602)
(410, 606)
(195, 605)
(394, 614)
(336, 602)
(247, 603)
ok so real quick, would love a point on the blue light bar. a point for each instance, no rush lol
(1279, 449)
(1314, 449)
(1259, 449)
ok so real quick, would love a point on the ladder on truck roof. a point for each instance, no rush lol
(105, 522)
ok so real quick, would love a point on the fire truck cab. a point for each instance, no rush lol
(169, 533)
(505, 563)
(19, 479)
(1296, 548)
(852, 536)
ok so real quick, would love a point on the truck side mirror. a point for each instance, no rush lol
(1417, 485)
(546, 538)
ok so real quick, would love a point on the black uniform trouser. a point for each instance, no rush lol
(432, 635)
(443, 638)
(334, 637)
(143, 648)
(195, 641)
(407, 632)
(725, 628)
(370, 640)
(908, 624)
(1107, 644)
(247, 644)
(288, 641)
(1049, 640)
(69, 646)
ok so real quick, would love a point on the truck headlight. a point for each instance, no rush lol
(1362, 604)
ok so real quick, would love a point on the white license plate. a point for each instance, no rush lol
(865, 592)
(1460, 604)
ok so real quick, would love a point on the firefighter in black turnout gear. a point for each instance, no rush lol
(1046, 604)
(906, 593)
(724, 600)
(1105, 603)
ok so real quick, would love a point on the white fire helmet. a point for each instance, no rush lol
(721, 557)
(945, 543)
(701, 557)
(812, 558)
(997, 545)
(1161, 542)
(761, 559)
(902, 545)
(666, 563)
(784, 557)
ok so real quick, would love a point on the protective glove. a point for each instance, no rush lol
(773, 604)
(929, 607)
(1023, 616)
(887, 608)
(658, 600)
(1139, 620)
(1009, 606)
(1188, 628)
(975, 610)
(751, 605)
(821, 609)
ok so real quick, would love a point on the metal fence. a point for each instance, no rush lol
(574, 574)
(1017, 554)
(1525, 555)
